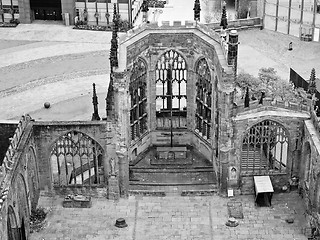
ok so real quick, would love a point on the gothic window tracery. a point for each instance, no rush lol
(264, 148)
(77, 159)
(138, 110)
(203, 99)
(171, 91)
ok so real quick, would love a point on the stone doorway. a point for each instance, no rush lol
(46, 10)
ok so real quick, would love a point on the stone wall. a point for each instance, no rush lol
(68, 6)
(24, 11)
(192, 42)
(309, 174)
(46, 133)
(19, 179)
(293, 125)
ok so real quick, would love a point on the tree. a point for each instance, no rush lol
(312, 87)
(271, 85)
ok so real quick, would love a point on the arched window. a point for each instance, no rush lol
(264, 148)
(77, 159)
(203, 99)
(12, 225)
(138, 110)
(171, 91)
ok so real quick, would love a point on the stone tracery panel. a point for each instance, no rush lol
(171, 91)
(264, 148)
(203, 99)
(77, 159)
(137, 89)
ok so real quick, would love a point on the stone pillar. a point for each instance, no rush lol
(123, 163)
(122, 128)
(24, 11)
(233, 47)
(68, 6)
(113, 191)
(224, 161)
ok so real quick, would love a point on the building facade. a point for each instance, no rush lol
(172, 102)
(98, 11)
(300, 18)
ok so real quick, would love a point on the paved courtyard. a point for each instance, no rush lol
(173, 217)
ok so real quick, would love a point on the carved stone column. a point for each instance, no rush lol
(122, 128)
(123, 163)
(224, 161)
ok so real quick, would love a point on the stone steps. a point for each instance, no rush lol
(167, 190)
(252, 160)
(176, 176)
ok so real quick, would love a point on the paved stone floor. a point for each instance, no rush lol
(173, 217)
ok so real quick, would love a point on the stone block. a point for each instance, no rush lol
(77, 201)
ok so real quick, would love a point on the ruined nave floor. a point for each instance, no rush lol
(173, 217)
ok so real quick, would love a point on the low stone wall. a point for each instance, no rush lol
(279, 182)
(239, 24)
(76, 190)
(269, 102)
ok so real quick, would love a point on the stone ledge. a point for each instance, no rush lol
(147, 193)
(208, 192)
(77, 202)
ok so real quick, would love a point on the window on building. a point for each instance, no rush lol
(171, 91)
(203, 99)
(77, 159)
(138, 110)
(264, 148)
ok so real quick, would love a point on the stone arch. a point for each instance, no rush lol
(32, 177)
(163, 52)
(306, 162)
(13, 232)
(264, 148)
(77, 159)
(21, 208)
(21, 187)
(171, 76)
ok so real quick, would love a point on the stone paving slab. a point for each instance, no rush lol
(34, 98)
(53, 33)
(37, 51)
(173, 217)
